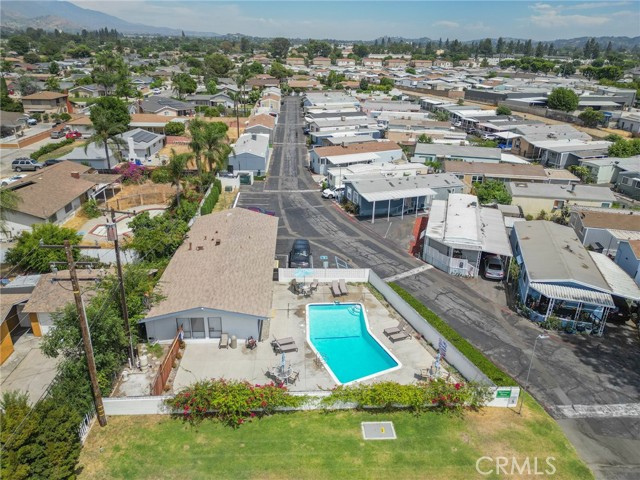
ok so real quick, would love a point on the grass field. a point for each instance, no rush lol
(317, 445)
(61, 151)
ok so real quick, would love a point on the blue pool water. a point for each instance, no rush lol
(339, 333)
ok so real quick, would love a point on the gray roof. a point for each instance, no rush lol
(454, 151)
(560, 192)
(141, 138)
(255, 144)
(553, 253)
(321, 115)
(93, 152)
(369, 186)
(543, 132)
(235, 275)
(155, 104)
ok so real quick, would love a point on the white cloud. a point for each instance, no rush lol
(592, 5)
(446, 24)
(550, 16)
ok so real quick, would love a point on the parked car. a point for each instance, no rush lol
(300, 255)
(156, 91)
(56, 134)
(261, 210)
(74, 134)
(6, 181)
(488, 136)
(53, 161)
(25, 164)
(332, 192)
(32, 121)
(493, 269)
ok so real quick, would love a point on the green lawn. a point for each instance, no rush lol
(317, 445)
(61, 151)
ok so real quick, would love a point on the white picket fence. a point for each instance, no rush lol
(324, 275)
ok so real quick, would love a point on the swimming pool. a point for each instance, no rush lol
(339, 334)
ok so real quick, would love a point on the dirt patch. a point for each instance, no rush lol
(148, 193)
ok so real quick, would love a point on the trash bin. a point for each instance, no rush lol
(234, 341)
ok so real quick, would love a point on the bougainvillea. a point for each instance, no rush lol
(131, 173)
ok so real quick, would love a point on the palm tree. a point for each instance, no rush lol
(177, 164)
(196, 129)
(215, 144)
(105, 132)
(8, 201)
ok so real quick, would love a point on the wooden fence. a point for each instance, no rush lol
(157, 388)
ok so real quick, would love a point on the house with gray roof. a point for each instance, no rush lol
(434, 152)
(250, 153)
(551, 197)
(166, 106)
(205, 305)
(374, 195)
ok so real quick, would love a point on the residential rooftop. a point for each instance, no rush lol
(369, 147)
(560, 192)
(498, 170)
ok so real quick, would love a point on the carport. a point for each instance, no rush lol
(407, 196)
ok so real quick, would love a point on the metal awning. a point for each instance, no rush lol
(572, 294)
(622, 285)
(398, 194)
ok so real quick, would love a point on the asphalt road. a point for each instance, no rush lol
(569, 371)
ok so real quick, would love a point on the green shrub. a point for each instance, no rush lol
(211, 200)
(496, 375)
(65, 117)
(161, 175)
(231, 402)
(174, 128)
(50, 148)
(90, 209)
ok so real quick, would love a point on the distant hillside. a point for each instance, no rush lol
(66, 16)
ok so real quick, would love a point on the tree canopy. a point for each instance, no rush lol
(563, 99)
(492, 191)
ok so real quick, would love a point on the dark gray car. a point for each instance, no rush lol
(300, 255)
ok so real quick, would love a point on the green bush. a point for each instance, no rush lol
(496, 375)
(231, 402)
(50, 148)
(211, 200)
(65, 117)
(161, 175)
(174, 128)
(90, 209)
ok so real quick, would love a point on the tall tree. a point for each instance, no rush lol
(196, 144)
(110, 117)
(109, 70)
(216, 148)
(177, 164)
(564, 99)
(279, 47)
(183, 84)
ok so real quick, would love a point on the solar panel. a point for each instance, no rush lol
(143, 137)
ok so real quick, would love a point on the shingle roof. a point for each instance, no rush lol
(369, 147)
(617, 221)
(235, 276)
(509, 170)
(48, 296)
(44, 192)
(8, 300)
(263, 119)
(45, 96)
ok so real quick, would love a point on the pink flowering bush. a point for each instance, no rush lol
(438, 395)
(131, 173)
(231, 402)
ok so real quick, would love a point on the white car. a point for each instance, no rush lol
(488, 136)
(6, 181)
(156, 91)
(332, 192)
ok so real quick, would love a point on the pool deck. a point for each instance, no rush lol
(203, 359)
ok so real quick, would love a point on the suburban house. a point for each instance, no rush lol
(560, 278)
(322, 158)
(602, 230)
(12, 123)
(479, 172)
(207, 100)
(372, 62)
(396, 63)
(204, 305)
(53, 194)
(250, 153)
(45, 102)
(628, 183)
(262, 81)
(48, 297)
(337, 175)
(87, 91)
(374, 195)
(346, 62)
(550, 197)
(167, 107)
(13, 321)
(628, 258)
(261, 124)
(629, 122)
(329, 102)
(305, 84)
(565, 153)
(459, 231)
(533, 137)
(435, 152)
(81, 124)
(422, 63)
(606, 170)
(322, 61)
(295, 61)
(155, 123)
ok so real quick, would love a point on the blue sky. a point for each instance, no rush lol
(465, 20)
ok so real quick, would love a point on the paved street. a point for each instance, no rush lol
(567, 369)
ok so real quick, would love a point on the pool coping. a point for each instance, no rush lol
(366, 324)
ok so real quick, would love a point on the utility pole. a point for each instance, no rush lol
(84, 329)
(112, 235)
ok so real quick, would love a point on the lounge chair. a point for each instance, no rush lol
(224, 341)
(286, 348)
(396, 337)
(292, 378)
(314, 284)
(282, 341)
(392, 330)
(335, 289)
(343, 287)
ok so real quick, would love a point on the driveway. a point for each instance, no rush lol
(567, 369)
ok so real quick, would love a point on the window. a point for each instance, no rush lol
(477, 179)
(558, 204)
(625, 180)
(68, 207)
(606, 205)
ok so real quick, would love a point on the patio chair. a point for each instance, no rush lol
(293, 378)
(392, 330)
(296, 287)
(282, 341)
(286, 348)
(425, 373)
(335, 289)
(343, 287)
(224, 341)
(396, 337)
(251, 343)
(314, 284)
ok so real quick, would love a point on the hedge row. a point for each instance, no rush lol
(50, 148)
(487, 367)
(212, 198)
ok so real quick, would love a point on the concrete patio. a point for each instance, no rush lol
(203, 359)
